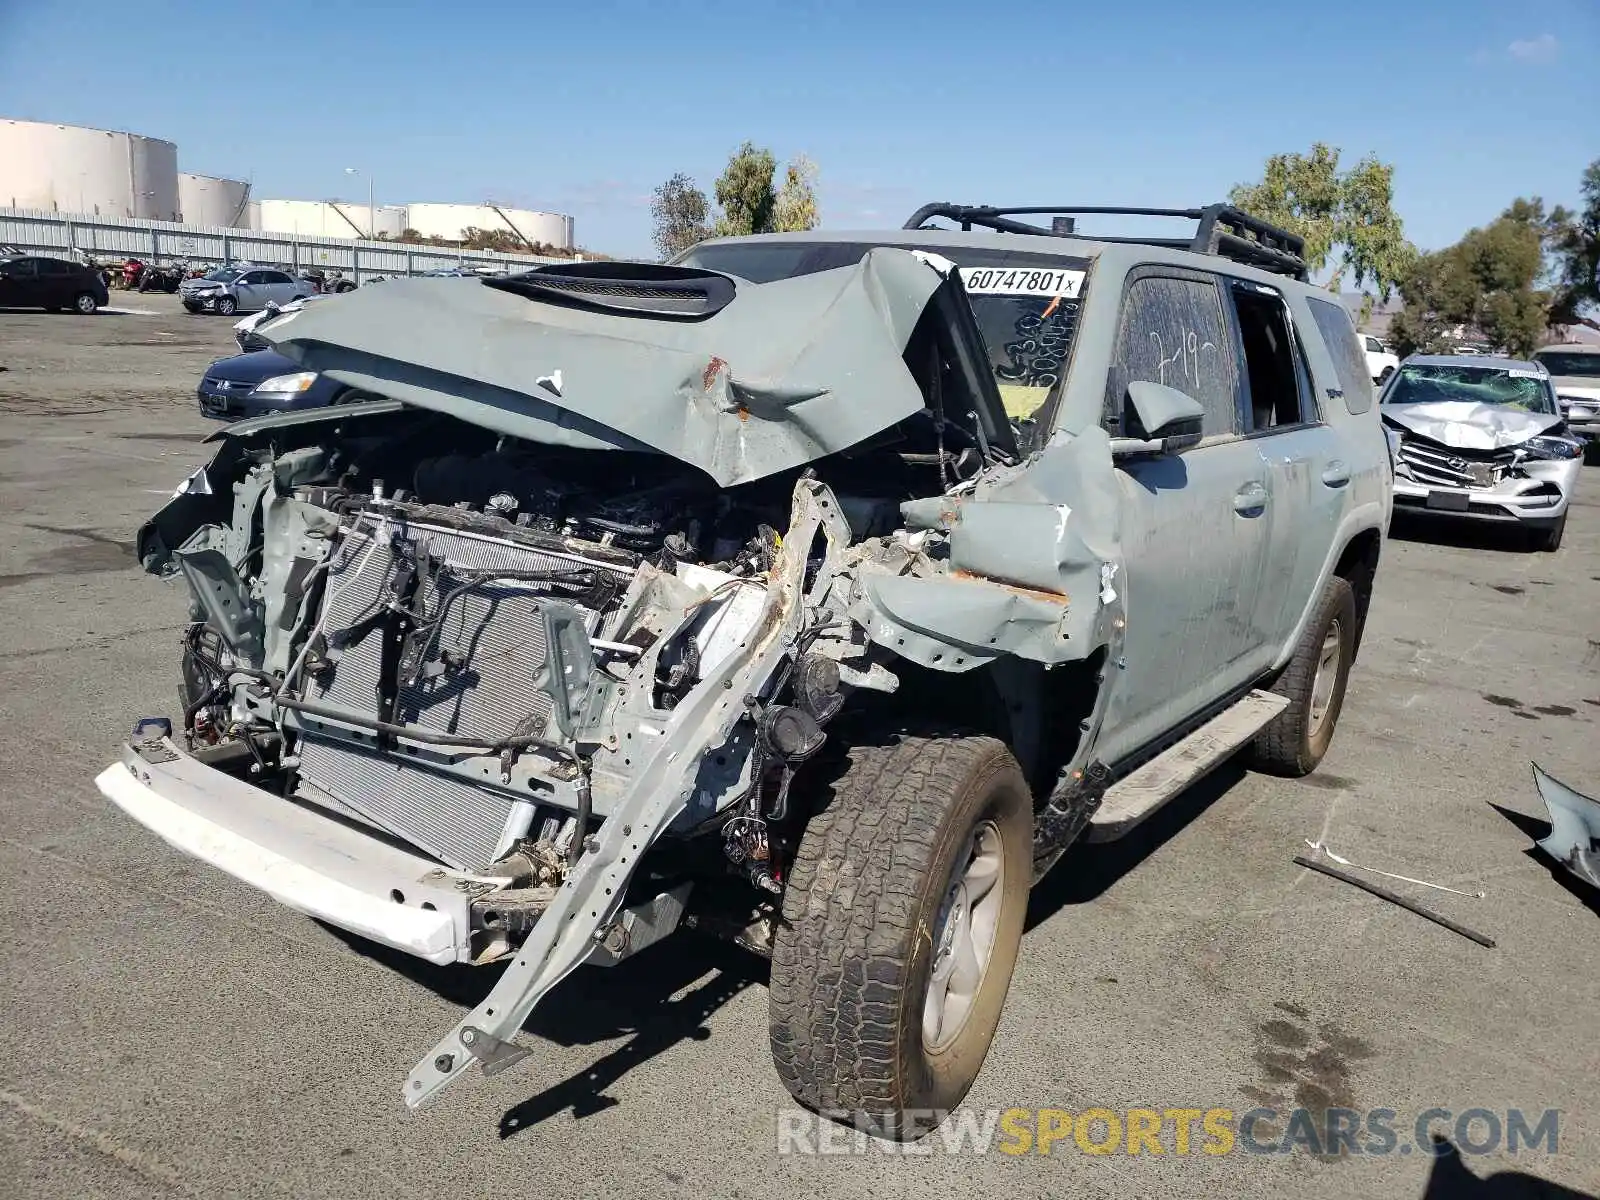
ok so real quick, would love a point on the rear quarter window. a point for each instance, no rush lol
(1344, 347)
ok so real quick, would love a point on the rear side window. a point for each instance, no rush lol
(1173, 331)
(50, 266)
(275, 277)
(1344, 347)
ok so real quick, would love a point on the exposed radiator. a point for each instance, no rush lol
(493, 634)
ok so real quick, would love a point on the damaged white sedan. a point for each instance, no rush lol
(730, 589)
(1482, 438)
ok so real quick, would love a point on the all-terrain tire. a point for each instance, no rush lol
(1293, 743)
(854, 953)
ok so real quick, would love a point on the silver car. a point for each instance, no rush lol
(1575, 374)
(229, 290)
(1481, 437)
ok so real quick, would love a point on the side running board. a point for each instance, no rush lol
(1134, 797)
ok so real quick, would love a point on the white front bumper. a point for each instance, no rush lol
(312, 863)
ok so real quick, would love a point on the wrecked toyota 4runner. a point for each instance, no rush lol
(729, 593)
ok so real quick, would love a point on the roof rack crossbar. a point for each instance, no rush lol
(1221, 229)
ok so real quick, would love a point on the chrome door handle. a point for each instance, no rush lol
(1250, 500)
(1337, 474)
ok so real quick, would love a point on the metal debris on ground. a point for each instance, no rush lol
(1345, 862)
(1574, 827)
(1384, 893)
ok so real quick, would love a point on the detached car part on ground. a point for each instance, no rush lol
(657, 590)
(1482, 438)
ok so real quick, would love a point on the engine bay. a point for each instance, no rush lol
(470, 651)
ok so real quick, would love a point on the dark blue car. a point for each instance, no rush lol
(264, 381)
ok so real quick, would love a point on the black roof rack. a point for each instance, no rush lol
(1222, 230)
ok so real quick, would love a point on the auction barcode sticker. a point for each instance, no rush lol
(1022, 281)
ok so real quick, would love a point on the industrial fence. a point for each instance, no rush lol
(65, 235)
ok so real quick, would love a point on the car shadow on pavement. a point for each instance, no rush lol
(1086, 872)
(1462, 535)
(646, 1006)
(1451, 1180)
(1536, 828)
(638, 999)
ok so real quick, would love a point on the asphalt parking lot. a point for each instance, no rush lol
(171, 1033)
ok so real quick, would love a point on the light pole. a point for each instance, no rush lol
(372, 212)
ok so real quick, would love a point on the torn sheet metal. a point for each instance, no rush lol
(786, 373)
(1469, 425)
(958, 623)
(1033, 555)
(1574, 827)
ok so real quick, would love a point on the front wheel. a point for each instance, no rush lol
(85, 303)
(901, 924)
(1294, 741)
(1549, 540)
(227, 306)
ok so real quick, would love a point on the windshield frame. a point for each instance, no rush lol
(1442, 373)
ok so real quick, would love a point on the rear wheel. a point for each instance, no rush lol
(1294, 741)
(85, 303)
(901, 925)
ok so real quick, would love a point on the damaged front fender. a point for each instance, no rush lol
(1004, 571)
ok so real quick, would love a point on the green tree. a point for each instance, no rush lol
(678, 211)
(1574, 245)
(1351, 212)
(796, 206)
(1488, 282)
(748, 201)
(745, 192)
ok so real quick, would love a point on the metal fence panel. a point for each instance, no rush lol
(42, 232)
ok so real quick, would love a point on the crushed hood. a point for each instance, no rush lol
(785, 373)
(1469, 424)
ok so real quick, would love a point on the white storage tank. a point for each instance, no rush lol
(449, 220)
(96, 172)
(213, 202)
(330, 218)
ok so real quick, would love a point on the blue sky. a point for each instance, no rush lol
(584, 107)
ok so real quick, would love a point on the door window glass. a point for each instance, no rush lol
(1173, 332)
